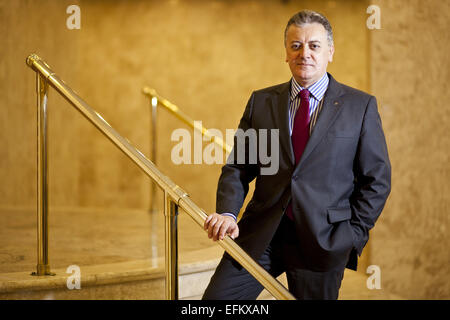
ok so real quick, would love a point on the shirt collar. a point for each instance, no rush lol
(316, 90)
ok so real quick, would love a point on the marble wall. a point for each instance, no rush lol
(409, 75)
(205, 56)
(27, 27)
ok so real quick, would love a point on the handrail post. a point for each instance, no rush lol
(153, 205)
(171, 244)
(154, 104)
(43, 266)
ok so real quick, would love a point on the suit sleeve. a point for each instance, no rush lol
(236, 174)
(372, 176)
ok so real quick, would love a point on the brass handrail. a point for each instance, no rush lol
(174, 196)
(152, 94)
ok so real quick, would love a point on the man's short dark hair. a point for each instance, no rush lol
(308, 16)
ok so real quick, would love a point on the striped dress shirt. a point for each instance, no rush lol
(316, 93)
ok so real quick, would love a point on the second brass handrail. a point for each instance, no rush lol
(174, 196)
(175, 110)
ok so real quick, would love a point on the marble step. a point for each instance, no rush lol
(144, 279)
(139, 279)
(113, 261)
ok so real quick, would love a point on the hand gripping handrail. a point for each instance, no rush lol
(174, 196)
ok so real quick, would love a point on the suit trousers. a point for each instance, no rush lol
(232, 282)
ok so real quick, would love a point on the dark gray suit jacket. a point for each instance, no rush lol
(338, 189)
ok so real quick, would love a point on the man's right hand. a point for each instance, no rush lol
(218, 226)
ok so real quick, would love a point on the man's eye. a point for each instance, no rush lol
(295, 46)
(315, 46)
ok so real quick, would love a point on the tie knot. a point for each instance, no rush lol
(304, 94)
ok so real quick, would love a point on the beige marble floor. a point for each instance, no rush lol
(117, 238)
(89, 236)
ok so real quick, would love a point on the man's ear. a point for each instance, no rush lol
(330, 58)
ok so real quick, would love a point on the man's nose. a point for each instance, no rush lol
(304, 53)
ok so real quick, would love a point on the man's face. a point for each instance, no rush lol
(308, 52)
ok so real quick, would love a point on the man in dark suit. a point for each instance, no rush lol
(312, 218)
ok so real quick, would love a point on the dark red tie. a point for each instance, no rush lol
(300, 134)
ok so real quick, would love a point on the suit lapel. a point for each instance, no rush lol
(332, 105)
(280, 103)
